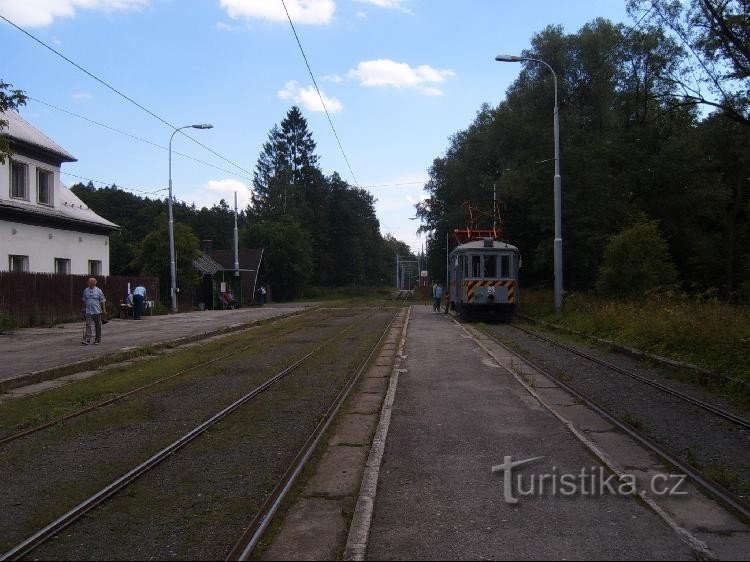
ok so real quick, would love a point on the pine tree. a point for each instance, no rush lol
(286, 169)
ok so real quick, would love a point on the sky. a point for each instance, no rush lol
(398, 77)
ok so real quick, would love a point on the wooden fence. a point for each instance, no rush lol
(37, 299)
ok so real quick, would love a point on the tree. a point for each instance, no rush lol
(715, 36)
(287, 256)
(636, 260)
(10, 100)
(286, 170)
(153, 255)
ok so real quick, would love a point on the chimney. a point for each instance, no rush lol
(207, 246)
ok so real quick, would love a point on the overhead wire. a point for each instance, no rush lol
(135, 137)
(115, 185)
(120, 93)
(322, 101)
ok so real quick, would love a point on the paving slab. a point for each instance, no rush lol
(313, 530)
(339, 473)
(364, 404)
(31, 350)
(354, 429)
(454, 418)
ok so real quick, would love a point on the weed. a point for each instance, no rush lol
(727, 477)
(634, 421)
(704, 332)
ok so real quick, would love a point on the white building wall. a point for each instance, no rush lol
(44, 244)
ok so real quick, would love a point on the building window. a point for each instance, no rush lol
(95, 267)
(19, 264)
(44, 186)
(62, 266)
(19, 180)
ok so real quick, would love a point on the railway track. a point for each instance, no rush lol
(727, 497)
(720, 412)
(118, 397)
(40, 537)
(252, 535)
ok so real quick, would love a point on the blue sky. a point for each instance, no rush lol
(399, 77)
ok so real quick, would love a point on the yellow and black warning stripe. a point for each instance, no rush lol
(471, 287)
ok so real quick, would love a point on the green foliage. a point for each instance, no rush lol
(339, 220)
(10, 100)
(695, 329)
(636, 260)
(629, 147)
(6, 323)
(287, 258)
(716, 35)
(153, 254)
(333, 224)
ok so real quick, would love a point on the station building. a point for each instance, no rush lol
(44, 227)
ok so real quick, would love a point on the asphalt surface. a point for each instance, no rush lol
(34, 349)
(456, 415)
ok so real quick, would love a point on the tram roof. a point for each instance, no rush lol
(482, 245)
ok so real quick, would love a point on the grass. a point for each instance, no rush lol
(704, 332)
(37, 409)
(634, 421)
(6, 323)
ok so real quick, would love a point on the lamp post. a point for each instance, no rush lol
(558, 254)
(172, 264)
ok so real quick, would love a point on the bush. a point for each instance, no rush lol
(6, 323)
(636, 260)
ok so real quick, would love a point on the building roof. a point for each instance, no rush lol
(69, 210)
(21, 130)
(206, 265)
(249, 258)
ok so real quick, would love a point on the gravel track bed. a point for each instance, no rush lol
(716, 446)
(47, 473)
(196, 504)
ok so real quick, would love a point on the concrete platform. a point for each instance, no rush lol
(30, 353)
(456, 416)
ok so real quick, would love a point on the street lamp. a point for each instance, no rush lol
(558, 255)
(172, 265)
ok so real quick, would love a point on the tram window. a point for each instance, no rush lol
(476, 263)
(505, 266)
(490, 267)
(465, 266)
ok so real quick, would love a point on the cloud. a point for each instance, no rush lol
(215, 190)
(386, 73)
(81, 96)
(223, 26)
(361, 15)
(389, 4)
(308, 97)
(315, 12)
(335, 78)
(40, 13)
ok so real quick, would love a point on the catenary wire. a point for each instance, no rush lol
(315, 83)
(120, 93)
(135, 137)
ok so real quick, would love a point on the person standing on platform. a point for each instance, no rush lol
(94, 305)
(139, 299)
(437, 297)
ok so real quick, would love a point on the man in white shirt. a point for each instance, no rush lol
(94, 304)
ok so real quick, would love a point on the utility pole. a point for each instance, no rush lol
(236, 241)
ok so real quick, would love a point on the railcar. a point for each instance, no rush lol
(483, 279)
